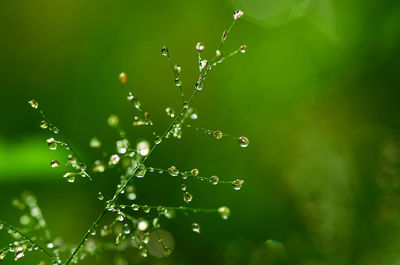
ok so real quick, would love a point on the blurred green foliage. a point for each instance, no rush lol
(317, 93)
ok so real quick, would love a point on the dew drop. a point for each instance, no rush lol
(143, 148)
(19, 255)
(164, 51)
(217, 135)
(54, 163)
(1, 226)
(114, 159)
(177, 69)
(183, 187)
(203, 64)
(170, 112)
(70, 177)
(122, 146)
(218, 54)
(100, 196)
(237, 184)
(127, 229)
(51, 143)
(224, 212)
(178, 81)
(243, 48)
(200, 47)
(98, 166)
(142, 251)
(237, 14)
(44, 124)
(123, 77)
(113, 120)
(187, 197)
(143, 225)
(168, 213)
(157, 139)
(141, 171)
(196, 228)
(173, 171)
(33, 103)
(95, 143)
(214, 180)
(3, 254)
(195, 172)
(199, 85)
(243, 141)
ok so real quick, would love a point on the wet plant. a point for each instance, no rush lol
(126, 229)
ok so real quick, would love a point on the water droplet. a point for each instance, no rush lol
(168, 213)
(187, 197)
(121, 217)
(183, 187)
(100, 196)
(237, 184)
(203, 64)
(224, 34)
(214, 180)
(199, 85)
(167, 251)
(143, 225)
(243, 48)
(178, 81)
(237, 14)
(200, 47)
(218, 53)
(98, 166)
(50, 245)
(127, 229)
(70, 177)
(173, 171)
(1, 226)
(105, 230)
(123, 77)
(51, 143)
(119, 238)
(3, 254)
(113, 120)
(54, 163)
(122, 146)
(44, 124)
(33, 103)
(95, 143)
(19, 255)
(157, 139)
(224, 212)
(142, 251)
(143, 148)
(114, 159)
(217, 134)
(170, 112)
(196, 228)
(141, 171)
(195, 172)
(177, 69)
(243, 141)
(164, 51)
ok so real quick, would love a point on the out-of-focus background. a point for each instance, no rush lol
(317, 94)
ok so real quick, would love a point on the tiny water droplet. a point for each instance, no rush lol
(157, 139)
(95, 143)
(195, 172)
(196, 228)
(217, 135)
(70, 177)
(33, 103)
(19, 255)
(127, 229)
(113, 120)
(54, 163)
(123, 77)
(51, 143)
(100, 196)
(214, 180)
(141, 171)
(142, 251)
(187, 197)
(200, 47)
(199, 85)
(170, 112)
(224, 212)
(164, 51)
(44, 124)
(173, 171)
(243, 48)
(218, 53)
(237, 184)
(203, 64)
(183, 187)
(243, 141)
(237, 14)
(177, 69)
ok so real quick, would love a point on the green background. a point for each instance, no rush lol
(317, 94)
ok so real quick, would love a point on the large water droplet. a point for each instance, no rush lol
(237, 184)
(217, 134)
(143, 225)
(123, 77)
(187, 197)
(224, 212)
(173, 171)
(243, 141)
(54, 163)
(70, 177)
(200, 47)
(196, 228)
(214, 180)
(44, 124)
(141, 171)
(195, 172)
(33, 103)
(164, 51)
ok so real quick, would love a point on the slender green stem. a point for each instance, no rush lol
(177, 208)
(176, 76)
(27, 238)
